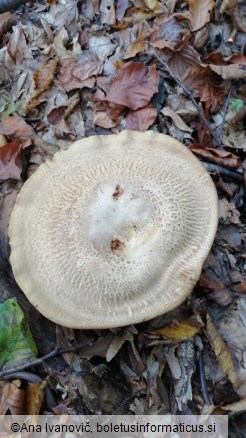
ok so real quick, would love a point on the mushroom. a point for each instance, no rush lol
(114, 230)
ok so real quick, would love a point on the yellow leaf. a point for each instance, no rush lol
(153, 4)
(221, 351)
(34, 397)
(182, 331)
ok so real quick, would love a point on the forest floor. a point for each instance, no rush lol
(66, 68)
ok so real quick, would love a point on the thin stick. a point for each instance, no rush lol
(224, 114)
(54, 353)
(189, 93)
(232, 174)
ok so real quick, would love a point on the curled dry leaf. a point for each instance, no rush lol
(41, 81)
(116, 344)
(12, 398)
(141, 119)
(134, 85)
(217, 156)
(154, 5)
(104, 117)
(179, 123)
(206, 84)
(222, 353)
(183, 330)
(200, 11)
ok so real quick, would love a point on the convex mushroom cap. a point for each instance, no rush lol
(114, 230)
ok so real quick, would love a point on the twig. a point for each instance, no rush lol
(232, 174)
(7, 5)
(54, 353)
(224, 114)
(189, 93)
(203, 380)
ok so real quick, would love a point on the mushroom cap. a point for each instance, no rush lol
(114, 230)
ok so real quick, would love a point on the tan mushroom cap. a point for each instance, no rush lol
(114, 230)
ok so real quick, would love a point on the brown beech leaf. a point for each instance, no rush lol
(228, 212)
(169, 32)
(141, 119)
(206, 84)
(11, 160)
(239, 60)
(180, 60)
(102, 117)
(41, 81)
(200, 11)
(215, 290)
(177, 120)
(134, 85)
(15, 127)
(141, 43)
(222, 353)
(7, 21)
(12, 398)
(184, 330)
(79, 73)
(217, 156)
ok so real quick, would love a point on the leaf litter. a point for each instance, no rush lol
(73, 69)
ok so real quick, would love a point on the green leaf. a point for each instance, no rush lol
(237, 104)
(16, 342)
(9, 108)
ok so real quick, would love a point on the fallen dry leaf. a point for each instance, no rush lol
(122, 6)
(183, 330)
(116, 344)
(134, 85)
(15, 127)
(11, 160)
(141, 119)
(7, 21)
(104, 117)
(217, 156)
(141, 43)
(169, 32)
(154, 5)
(215, 290)
(206, 84)
(222, 353)
(180, 60)
(167, 111)
(229, 72)
(12, 398)
(34, 398)
(80, 73)
(41, 81)
(133, 16)
(226, 5)
(200, 11)
(228, 212)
